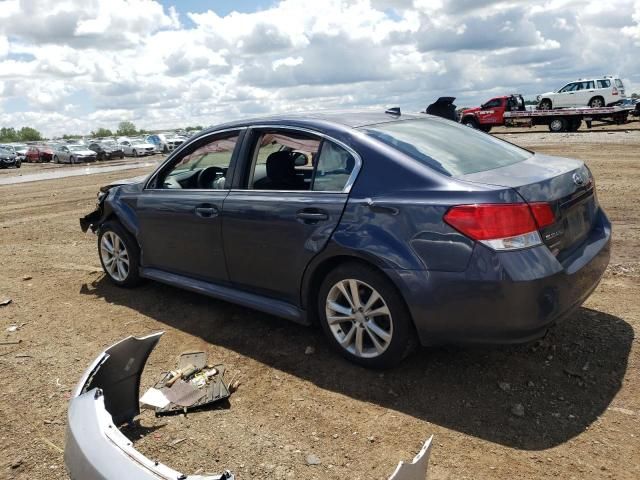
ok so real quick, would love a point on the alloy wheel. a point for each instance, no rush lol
(115, 256)
(359, 318)
(596, 103)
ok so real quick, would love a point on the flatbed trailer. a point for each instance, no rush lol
(567, 119)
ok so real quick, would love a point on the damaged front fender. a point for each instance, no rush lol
(107, 396)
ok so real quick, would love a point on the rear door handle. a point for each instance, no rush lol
(206, 211)
(312, 215)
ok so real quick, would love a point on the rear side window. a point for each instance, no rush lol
(447, 147)
(334, 168)
(619, 83)
(604, 83)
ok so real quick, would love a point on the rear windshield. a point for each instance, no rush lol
(619, 83)
(450, 148)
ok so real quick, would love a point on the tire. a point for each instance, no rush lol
(574, 125)
(55, 159)
(165, 150)
(558, 125)
(545, 104)
(485, 128)
(135, 153)
(596, 102)
(121, 156)
(395, 337)
(113, 261)
(470, 122)
(71, 160)
(18, 164)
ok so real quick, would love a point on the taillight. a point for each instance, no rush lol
(501, 226)
(614, 91)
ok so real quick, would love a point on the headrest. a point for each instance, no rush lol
(281, 165)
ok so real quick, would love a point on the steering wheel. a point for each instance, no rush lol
(207, 176)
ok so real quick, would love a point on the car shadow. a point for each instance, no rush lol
(529, 397)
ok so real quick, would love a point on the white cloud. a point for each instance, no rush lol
(74, 64)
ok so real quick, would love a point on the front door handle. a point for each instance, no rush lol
(312, 215)
(206, 211)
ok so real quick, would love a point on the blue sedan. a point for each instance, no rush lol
(388, 230)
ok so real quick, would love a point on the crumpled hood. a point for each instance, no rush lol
(125, 181)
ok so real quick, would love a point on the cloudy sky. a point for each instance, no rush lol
(70, 66)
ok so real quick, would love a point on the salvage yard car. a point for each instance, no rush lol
(106, 149)
(592, 92)
(8, 158)
(387, 229)
(72, 154)
(136, 147)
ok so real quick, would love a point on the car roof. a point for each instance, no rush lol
(350, 118)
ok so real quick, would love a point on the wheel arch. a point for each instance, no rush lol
(320, 268)
(469, 119)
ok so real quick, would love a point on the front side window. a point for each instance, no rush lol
(204, 168)
(496, 102)
(568, 88)
(447, 147)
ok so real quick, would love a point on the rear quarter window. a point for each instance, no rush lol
(447, 147)
(619, 83)
(604, 83)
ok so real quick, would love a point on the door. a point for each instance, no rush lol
(492, 112)
(180, 228)
(564, 97)
(288, 200)
(582, 93)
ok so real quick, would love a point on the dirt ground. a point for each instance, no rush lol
(579, 387)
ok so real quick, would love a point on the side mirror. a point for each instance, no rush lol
(301, 160)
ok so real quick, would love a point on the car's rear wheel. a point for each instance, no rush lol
(119, 254)
(364, 317)
(545, 104)
(596, 102)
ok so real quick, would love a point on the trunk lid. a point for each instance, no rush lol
(566, 184)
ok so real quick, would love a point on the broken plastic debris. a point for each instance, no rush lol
(154, 398)
(417, 469)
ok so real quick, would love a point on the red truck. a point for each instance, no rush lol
(491, 113)
(510, 111)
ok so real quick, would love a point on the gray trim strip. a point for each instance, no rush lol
(229, 294)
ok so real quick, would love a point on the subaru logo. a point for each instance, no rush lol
(578, 179)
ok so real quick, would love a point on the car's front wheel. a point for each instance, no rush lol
(119, 254)
(545, 104)
(364, 317)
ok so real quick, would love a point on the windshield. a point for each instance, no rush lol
(76, 148)
(447, 147)
(5, 150)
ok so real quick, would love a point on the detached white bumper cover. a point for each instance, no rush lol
(107, 396)
(108, 391)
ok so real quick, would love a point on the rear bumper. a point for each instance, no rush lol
(506, 297)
